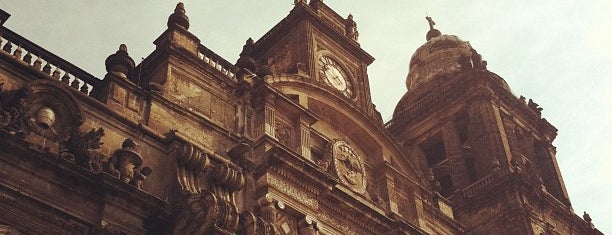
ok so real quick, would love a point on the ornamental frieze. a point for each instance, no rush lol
(292, 191)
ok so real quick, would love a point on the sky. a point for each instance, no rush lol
(556, 52)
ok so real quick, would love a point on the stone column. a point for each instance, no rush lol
(307, 226)
(454, 152)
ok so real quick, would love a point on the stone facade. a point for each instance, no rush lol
(284, 141)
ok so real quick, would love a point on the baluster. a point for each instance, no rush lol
(17, 53)
(84, 89)
(38, 64)
(28, 58)
(56, 73)
(8, 47)
(47, 68)
(75, 83)
(65, 79)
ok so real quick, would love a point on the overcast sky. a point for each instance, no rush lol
(557, 52)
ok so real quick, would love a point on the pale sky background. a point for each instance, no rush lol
(557, 52)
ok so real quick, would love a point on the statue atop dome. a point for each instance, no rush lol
(431, 22)
(432, 33)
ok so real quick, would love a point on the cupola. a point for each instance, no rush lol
(441, 55)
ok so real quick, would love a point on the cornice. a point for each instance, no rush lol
(102, 182)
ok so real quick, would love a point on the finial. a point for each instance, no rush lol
(180, 8)
(120, 63)
(178, 17)
(432, 31)
(123, 48)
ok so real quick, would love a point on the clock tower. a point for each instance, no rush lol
(312, 111)
(318, 49)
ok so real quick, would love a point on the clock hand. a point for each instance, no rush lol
(336, 80)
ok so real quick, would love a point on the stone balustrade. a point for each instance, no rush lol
(217, 62)
(477, 186)
(46, 62)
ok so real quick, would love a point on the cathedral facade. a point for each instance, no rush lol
(286, 140)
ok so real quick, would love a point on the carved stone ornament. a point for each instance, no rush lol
(348, 165)
(13, 114)
(126, 163)
(53, 112)
(81, 148)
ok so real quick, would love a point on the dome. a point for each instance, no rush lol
(440, 55)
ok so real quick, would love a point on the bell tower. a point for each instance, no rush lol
(487, 151)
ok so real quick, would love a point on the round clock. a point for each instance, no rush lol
(334, 75)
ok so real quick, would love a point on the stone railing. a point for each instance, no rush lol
(478, 185)
(217, 62)
(46, 62)
(419, 110)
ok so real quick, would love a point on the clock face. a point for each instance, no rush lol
(333, 74)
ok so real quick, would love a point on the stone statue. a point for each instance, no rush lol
(351, 28)
(431, 22)
(588, 219)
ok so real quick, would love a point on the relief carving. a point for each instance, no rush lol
(281, 61)
(283, 133)
(348, 165)
(81, 148)
(13, 115)
(290, 190)
(53, 111)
